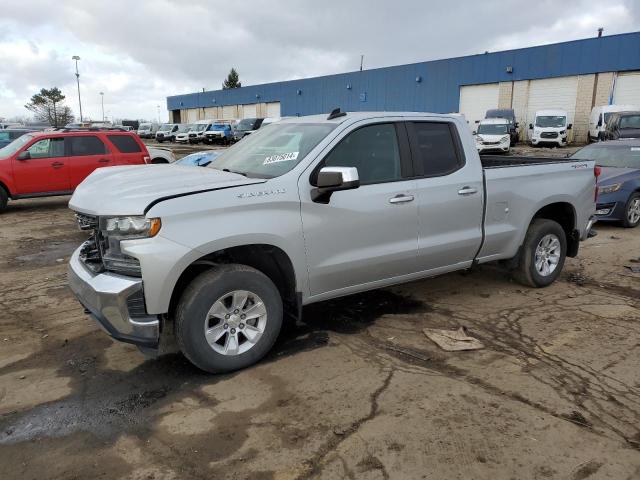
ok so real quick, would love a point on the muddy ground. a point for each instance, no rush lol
(355, 390)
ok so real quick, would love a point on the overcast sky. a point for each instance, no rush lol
(139, 52)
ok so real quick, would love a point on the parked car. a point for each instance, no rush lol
(53, 163)
(510, 115)
(196, 135)
(10, 134)
(619, 182)
(623, 125)
(199, 159)
(182, 134)
(492, 135)
(5, 125)
(309, 209)
(147, 130)
(167, 132)
(599, 119)
(218, 133)
(160, 155)
(245, 127)
(550, 128)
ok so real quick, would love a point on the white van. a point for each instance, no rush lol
(196, 134)
(147, 130)
(550, 128)
(600, 116)
(493, 135)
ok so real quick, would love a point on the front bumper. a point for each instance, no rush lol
(610, 211)
(112, 301)
(501, 148)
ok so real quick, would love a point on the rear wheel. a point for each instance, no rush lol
(542, 254)
(632, 211)
(228, 318)
(4, 199)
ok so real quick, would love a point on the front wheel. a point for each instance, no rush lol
(228, 318)
(632, 211)
(542, 254)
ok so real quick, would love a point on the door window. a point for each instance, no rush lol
(47, 148)
(83, 146)
(434, 148)
(373, 150)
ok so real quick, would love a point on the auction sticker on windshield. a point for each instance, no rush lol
(283, 157)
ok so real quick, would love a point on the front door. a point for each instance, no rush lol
(85, 153)
(368, 234)
(449, 197)
(46, 169)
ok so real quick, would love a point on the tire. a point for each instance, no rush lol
(157, 161)
(631, 211)
(159, 141)
(544, 234)
(4, 199)
(209, 290)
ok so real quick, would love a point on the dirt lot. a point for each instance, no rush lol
(355, 390)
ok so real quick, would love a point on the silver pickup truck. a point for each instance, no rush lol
(211, 260)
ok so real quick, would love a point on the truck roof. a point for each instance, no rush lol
(353, 116)
(494, 121)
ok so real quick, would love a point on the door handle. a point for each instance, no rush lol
(401, 198)
(57, 164)
(104, 160)
(467, 191)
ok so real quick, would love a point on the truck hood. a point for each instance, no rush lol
(612, 175)
(129, 190)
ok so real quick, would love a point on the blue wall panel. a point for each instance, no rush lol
(396, 88)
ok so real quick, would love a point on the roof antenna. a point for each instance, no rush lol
(336, 113)
(600, 30)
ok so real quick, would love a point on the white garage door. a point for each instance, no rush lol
(552, 93)
(192, 115)
(475, 100)
(229, 112)
(249, 111)
(627, 89)
(273, 109)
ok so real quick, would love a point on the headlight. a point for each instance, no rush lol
(139, 227)
(609, 188)
(505, 138)
(115, 229)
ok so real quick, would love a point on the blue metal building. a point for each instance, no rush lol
(427, 86)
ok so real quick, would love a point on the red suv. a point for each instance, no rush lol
(54, 163)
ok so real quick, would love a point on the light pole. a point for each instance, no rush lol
(76, 58)
(102, 100)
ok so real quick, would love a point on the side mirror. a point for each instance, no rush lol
(334, 179)
(24, 155)
(570, 126)
(531, 126)
(474, 132)
(599, 122)
(516, 125)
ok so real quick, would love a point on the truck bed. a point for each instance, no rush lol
(500, 161)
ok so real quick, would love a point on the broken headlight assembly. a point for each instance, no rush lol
(116, 229)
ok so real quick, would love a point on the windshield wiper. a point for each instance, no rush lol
(233, 171)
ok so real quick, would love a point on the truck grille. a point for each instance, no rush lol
(90, 252)
(549, 135)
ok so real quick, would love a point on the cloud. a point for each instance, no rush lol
(140, 52)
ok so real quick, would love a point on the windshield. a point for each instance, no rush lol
(607, 116)
(165, 127)
(199, 127)
(183, 128)
(14, 146)
(624, 156)
(272, 151)
(551, 121)
(144, 126)
(246, 124)
(493, 129)
(630, 121)
(218, 127)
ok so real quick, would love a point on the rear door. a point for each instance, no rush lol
(448, 196)
(46, 171)
(84, 154)
(368, 234)
(127, 149)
